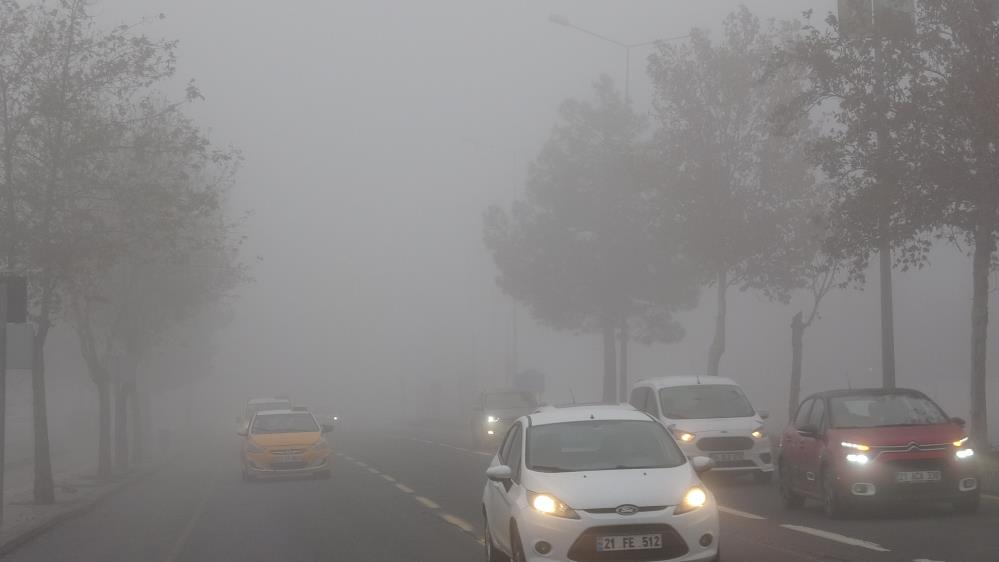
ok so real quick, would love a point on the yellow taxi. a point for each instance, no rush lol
(285, 443)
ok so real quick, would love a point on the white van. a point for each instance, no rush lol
(710, 416)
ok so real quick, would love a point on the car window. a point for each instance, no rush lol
(705, 401)
(516, 449)
(504, 451)
(801, 420)
(651, 406)
(601, 445)
(817, 417)
(284, 423)
(639, 396)
(880, 410)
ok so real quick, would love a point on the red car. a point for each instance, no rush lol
(851, 448)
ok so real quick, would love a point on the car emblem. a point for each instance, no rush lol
(627, 509)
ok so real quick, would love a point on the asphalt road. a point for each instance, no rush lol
(413, 495)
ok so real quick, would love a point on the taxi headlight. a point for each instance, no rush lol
(550, 505)
(319, 446)
(695, 498)
(252, 447)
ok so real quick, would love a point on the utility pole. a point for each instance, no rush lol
(3, 386)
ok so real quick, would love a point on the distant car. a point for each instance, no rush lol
(255, 405)
(284, 443)
(852, 448)
(710, 416)
(596, 482)
(495, 412)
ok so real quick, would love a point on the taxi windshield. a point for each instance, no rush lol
(284, 423)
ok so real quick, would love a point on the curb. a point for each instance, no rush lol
(83, 506)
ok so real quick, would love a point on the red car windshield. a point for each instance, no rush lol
(881, 410)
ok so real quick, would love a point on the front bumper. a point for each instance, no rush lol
(575, 539)
(266, 472)
(877, 481)
(266, 464)
(732, 452)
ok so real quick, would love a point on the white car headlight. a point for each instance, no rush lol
(694, 499)
(550, 505)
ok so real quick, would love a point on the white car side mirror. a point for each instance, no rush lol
(499, 473)
(764, 414)
(702, 464)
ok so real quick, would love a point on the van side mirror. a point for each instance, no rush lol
(764, 414)
(500, 473)
(702, 464)
(959, 421)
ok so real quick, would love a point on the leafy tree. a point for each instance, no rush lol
(731, 180)
(584, 249)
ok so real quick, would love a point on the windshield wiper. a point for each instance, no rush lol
(542, 468)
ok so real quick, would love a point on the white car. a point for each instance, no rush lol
(710, 416)
(596, 482)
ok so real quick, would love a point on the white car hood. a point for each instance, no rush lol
(611, 488)
(742, 425)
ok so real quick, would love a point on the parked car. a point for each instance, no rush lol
(853, 448)
(495, 411)
(710, 416)
(596, 482)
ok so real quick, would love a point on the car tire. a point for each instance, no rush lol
(517, 546)
(493, 554)
(761, 477)
(833, 504)
(968, 505)
(789, 497)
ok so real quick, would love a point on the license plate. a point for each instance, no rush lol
(289, 458)
(726, 456)
(918, 476)
(629, 542)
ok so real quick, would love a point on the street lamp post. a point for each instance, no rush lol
(562, 20)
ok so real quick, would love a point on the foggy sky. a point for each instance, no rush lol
(375, 134)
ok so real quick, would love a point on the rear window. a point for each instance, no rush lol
(883, 410)
(601, 445)
(705, 401)
(264, 406)
(284, 423)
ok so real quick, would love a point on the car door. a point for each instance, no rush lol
(790, 448)
(499, 508)
(811, 446)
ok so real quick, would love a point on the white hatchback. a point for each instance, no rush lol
(596, 482)
(710, 416)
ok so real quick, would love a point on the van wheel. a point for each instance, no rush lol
(789, 498)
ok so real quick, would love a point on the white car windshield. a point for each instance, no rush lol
(600, 445)
(284, 423)
(883, 410)
(705, 401)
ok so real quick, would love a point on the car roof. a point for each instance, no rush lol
(867, 392)
(584, 412)
(689, 380)
(253, 401)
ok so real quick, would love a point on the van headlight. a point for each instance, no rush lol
(694, 499)
(492, 419)
(550, 505)
(757, 434)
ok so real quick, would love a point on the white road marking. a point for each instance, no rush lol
(373, 471)
(926, 560)
(455, 448)
(738, 513)
(348, 457)
(483, 453)
(185, 535)
(423, 441)
(427, 502)
(361, 464)
(458, 522)
(836, 537)
(404, 488)
(387, 477)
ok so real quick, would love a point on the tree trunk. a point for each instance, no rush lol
(139, 412)
(797, 336)
(622, 374)
(610, 361)
(718, 344)
(44, 489)
(121, 422)
(981, 266)
(104, 428)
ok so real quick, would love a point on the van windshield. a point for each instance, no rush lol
(705, 401)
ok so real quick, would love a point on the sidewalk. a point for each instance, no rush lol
(75, 491)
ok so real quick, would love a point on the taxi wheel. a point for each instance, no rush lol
(788, 496)
(493, 554)
(833, 504)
